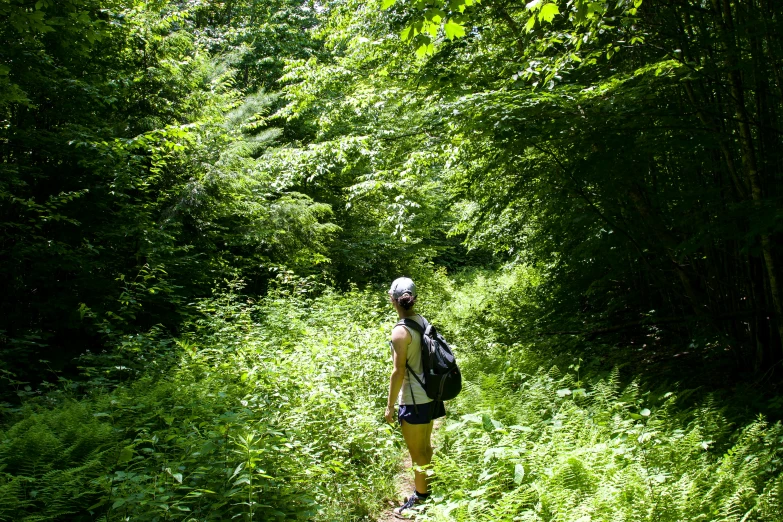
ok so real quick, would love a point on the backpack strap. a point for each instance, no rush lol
(410, 370)
(423, 330)
(410, 323)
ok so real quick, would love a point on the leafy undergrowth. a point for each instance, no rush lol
(551, 447)
(534, 438)
(265, 411)
(271, 410)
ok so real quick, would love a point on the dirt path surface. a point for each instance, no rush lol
(404, 483)
(404, 486)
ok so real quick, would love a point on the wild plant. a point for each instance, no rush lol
(267, 410)
(546, 440)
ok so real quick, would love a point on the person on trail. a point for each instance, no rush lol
(417, 411)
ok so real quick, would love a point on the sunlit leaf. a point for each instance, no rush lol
(519, 474)
(548, 12)
(453, 29)
(425, 49)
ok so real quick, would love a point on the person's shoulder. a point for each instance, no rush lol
(400, 334)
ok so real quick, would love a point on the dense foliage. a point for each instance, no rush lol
(633, 146)
(201, 200)
(270, 410)
(266, 411)
(535, 438)
(131, 173)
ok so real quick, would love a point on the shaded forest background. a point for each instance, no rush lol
(623, 157)
(150, 150)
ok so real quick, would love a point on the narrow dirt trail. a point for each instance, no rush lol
(404, 482)
(403, 487)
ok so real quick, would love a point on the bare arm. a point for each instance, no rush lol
(400, 341)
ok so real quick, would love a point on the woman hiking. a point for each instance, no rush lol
(417, 411)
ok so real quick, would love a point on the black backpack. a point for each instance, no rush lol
(442, 378)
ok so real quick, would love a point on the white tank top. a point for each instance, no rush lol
(414, 361)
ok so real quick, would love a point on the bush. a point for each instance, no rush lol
(270, 411)
(534, 436)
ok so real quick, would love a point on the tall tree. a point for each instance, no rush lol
(131, 174)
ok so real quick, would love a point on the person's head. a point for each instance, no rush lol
(403, 292)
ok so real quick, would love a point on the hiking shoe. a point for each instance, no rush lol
(411, 501)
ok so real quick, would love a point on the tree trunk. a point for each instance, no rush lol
(749, 164)
(669, 244)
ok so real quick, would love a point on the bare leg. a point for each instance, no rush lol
(417, 438)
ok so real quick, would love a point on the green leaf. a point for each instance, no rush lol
(645, 413)
(385, 4)
(425, 49)
(471, 417)
(519, 473)
(125, 455)
(453, 29)
(548, 12)
(531, 23)
(533, 6)
(563, 392)
(405, 35)
(486, 421)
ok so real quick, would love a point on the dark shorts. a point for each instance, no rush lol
(426, 412)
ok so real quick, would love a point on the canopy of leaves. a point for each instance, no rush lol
(632, 147)
(133, 166)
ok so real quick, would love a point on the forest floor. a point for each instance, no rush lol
(403, 482)
(403, 487)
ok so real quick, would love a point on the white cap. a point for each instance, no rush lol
(401, 286)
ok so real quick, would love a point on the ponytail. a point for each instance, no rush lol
(407, 301)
